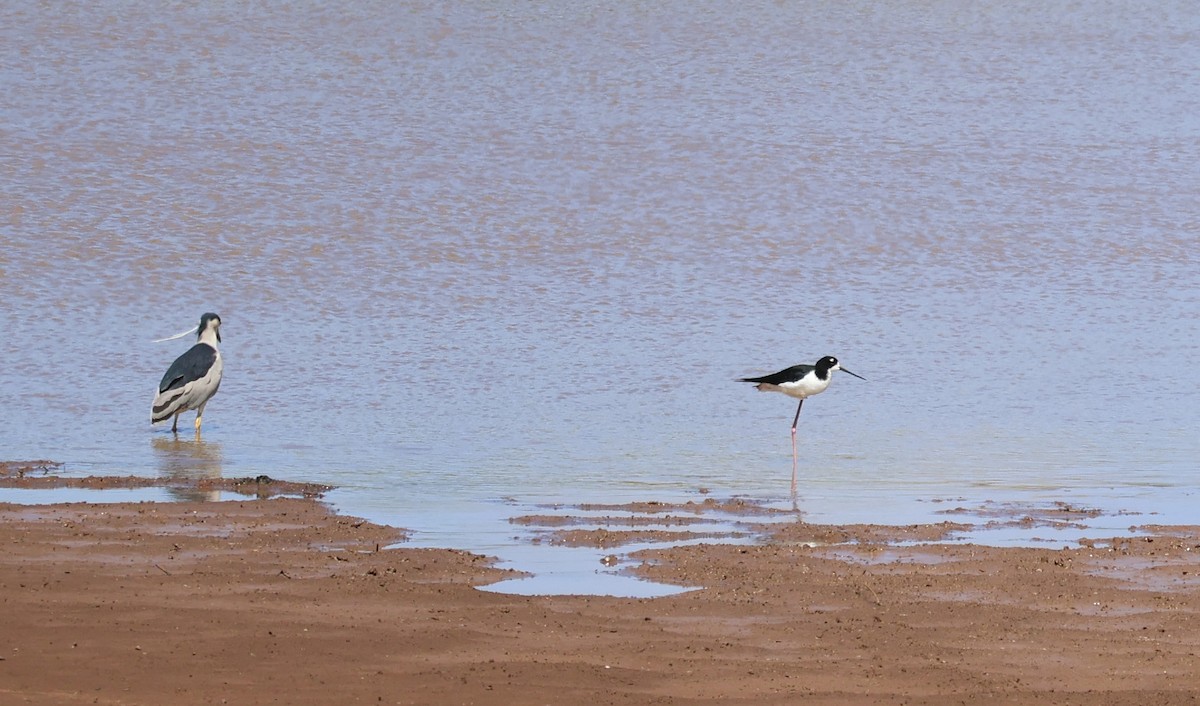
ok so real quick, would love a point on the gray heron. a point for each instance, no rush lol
(193, 378)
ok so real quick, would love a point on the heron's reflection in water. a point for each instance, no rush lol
(184, 462)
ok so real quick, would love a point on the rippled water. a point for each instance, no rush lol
(474, 252)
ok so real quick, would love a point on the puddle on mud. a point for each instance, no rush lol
(590, 549)
(51, 496)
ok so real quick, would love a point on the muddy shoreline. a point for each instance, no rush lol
(278, 600)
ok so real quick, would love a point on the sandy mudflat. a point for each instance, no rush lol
(279, 601)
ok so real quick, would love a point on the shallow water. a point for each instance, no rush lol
(470, 253)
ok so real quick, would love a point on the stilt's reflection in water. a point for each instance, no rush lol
(186, 461)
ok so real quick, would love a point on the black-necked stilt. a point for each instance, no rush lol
(801, 382)
(193, 378)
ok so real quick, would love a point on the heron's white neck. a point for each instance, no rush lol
(209, 336)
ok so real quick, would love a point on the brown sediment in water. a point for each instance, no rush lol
(818, 535)
(607, 539)
(281, 601)
(752, 520)
(1000, 515)
(35, 475)
(19, 469)
(610, 520)
(733, 506)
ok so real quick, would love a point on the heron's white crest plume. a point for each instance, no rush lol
(178, 335)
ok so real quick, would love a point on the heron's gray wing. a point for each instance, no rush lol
(190, 366)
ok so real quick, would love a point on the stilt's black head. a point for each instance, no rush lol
(210, 320)
(826, 364)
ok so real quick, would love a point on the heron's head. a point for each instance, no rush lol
(211, 322)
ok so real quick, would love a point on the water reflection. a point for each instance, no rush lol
(187, 461)
(593, 222)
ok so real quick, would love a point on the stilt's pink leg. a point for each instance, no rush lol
(795, 420)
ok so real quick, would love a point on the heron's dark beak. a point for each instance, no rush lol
(860, 377)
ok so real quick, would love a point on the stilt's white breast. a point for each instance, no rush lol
(806, 386)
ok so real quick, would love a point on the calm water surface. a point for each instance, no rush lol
(474, 257)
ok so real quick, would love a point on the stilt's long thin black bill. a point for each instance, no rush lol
(860, 377)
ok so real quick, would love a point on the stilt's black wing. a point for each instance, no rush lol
(792, 374)
(192, 365)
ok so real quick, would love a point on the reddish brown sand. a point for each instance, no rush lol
(280, 602)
